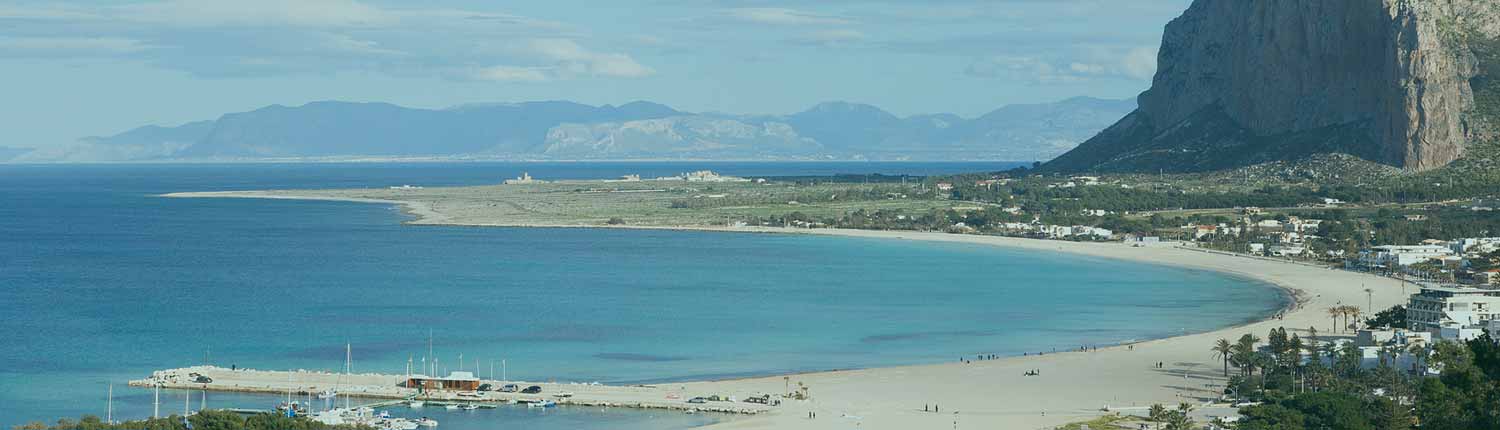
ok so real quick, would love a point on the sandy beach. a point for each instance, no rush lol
(1072, 386)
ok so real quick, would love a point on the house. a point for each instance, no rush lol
(1475, 245)
(1086, 180)
(1453, 308)
(1287, 250)
(1393, 337)
(944, 186)
(458, 381)
(1390, 256)
(1296, 225)
(1204, 230)
(1269, 224)
(525, 178)
(1487, 277)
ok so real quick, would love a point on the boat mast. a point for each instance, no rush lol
(156, 402)
(109, 406)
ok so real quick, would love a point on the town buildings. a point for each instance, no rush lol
(1455, 313)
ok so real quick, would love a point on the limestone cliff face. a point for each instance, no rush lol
(1260, 80)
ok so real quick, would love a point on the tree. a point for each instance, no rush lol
(1222, 349)
(1335, 312)
(1157, 413)
(1179, 419)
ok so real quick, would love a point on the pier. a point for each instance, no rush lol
(390, 390)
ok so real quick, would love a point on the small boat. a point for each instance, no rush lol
(328, 394)
(415, 403)
(469, 406)
(451, 407)
(542, 404)
(427, 422)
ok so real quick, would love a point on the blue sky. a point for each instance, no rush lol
(71, 68)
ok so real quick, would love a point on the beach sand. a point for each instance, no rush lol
(1072, 386)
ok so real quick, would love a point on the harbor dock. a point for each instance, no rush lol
(392, 390)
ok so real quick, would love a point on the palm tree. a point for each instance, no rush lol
(1419, 351)
(1221, 350)
(1335, 312)
(1157, 412)
(1244, 353)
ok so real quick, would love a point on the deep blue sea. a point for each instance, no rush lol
(102, 282)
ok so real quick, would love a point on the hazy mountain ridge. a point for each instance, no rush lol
(637, 130)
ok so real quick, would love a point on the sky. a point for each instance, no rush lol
(70, 69)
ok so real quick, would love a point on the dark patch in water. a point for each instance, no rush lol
(626, 356)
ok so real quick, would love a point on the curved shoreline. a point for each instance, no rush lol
(1089, 382)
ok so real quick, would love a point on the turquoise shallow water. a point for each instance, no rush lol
(100, 282)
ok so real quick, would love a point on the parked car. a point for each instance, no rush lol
(534, 389)
(486, 387)
(203, 379)
(510, 388)
(697, 400)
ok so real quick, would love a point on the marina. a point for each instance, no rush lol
(377, 391)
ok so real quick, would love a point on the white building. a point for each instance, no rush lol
(525, 178)
(1393, 255)
(1454, 309)
(1475, 245)
(1394, 337)
(1287, 250)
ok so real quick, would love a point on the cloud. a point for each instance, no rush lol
(70, 46)
(230, 38)
(783, 16)
(572, 58)
(511, 74)
(1140, 63)
(1069, 65)
(834, 37)
(557, 59)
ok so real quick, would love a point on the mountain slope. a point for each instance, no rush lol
(1241, 82)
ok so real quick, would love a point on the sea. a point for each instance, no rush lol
(102, 281)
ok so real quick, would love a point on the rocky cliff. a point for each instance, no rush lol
(1243, 82)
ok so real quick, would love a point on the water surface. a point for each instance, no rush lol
(102, 282)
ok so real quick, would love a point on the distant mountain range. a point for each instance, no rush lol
(560, 130)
